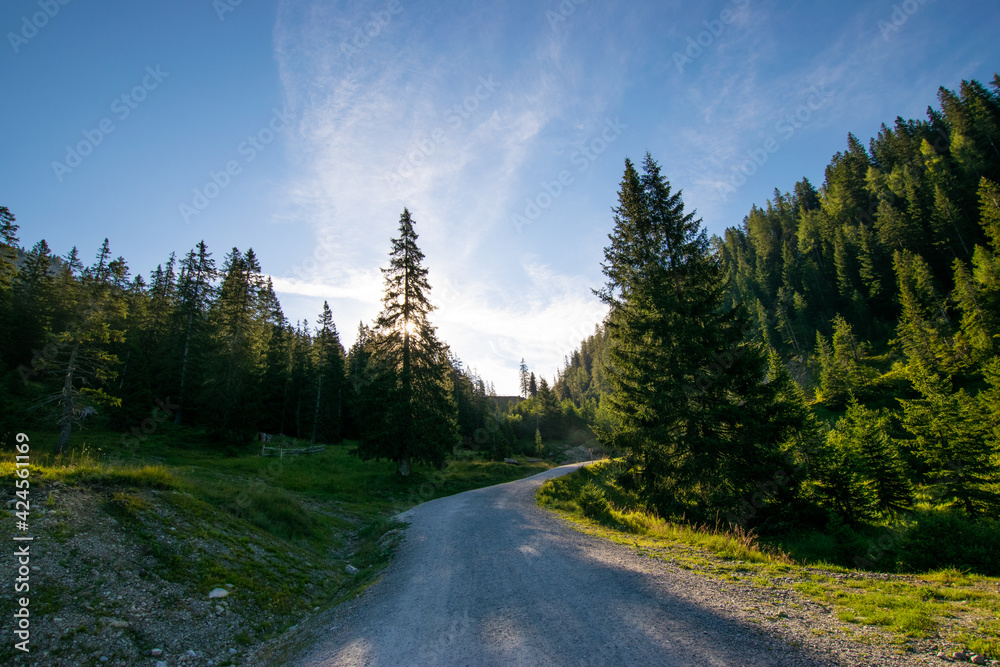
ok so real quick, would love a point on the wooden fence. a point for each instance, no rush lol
(281, 450)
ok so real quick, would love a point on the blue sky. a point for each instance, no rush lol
(302, 128)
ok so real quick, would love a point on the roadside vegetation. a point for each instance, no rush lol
(943, 606)
(190, 516)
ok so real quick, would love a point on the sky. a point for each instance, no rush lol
(302, 128)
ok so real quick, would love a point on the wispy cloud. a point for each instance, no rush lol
(452, 139)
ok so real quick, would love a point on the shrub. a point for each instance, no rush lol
(941, 540)
(593, 504)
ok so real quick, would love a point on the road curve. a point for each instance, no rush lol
(486, 577)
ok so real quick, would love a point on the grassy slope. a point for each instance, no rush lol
(280, 530)
(945, 606)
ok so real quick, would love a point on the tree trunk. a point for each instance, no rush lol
(319, 394)
(66, 418)
(125, 370)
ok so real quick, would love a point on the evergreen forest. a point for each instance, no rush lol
(825, 373)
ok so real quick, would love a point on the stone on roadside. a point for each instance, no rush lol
(156, 652)
(160, 663)
(350, 569)
(978, 659)
(218, 593)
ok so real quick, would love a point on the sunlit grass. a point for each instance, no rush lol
(943, 603)
(84, 466)
(586, 493)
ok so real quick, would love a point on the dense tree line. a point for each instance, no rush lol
(882, 289)
(208, 345)
(833, 360)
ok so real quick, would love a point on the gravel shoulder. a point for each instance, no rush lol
(488, 578)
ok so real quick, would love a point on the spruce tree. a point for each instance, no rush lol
(84, 365)
(238, 322)
(8, 247)
(8, 271)
(408, 404)
(867, 450)
(329, 364)
(522, 375)
(194, 295)
(923, 329)
(695, 414)
(951, 433)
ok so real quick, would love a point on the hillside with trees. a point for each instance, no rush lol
(207, 345)
(828, 368)
(830, 364)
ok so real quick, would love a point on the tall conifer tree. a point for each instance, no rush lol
(695, 413)
(407, 404)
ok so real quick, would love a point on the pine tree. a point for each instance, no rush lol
(547, 408)
(8, 272)
(8, 248)
(977, 291)
(951, 433)
(194, 293)
(329, 364)
(840, 482)
(411, 413)
(833, 381)
(862, 436)
(35, 301)
(695, 414)
(84, 364)
(922, 331)
(238, 321)
(523, 378)
(989, 203)
(532, 386)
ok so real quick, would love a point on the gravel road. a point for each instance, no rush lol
(488, 578)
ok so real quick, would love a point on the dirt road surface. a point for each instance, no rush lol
(488, 578)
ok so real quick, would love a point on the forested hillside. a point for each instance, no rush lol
(879, 293)
(830, 364)
(205, 343)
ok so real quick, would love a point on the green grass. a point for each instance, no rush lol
(85, 466)
(281, 530)
(591, 493)
(949, 605)
(279, 495)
